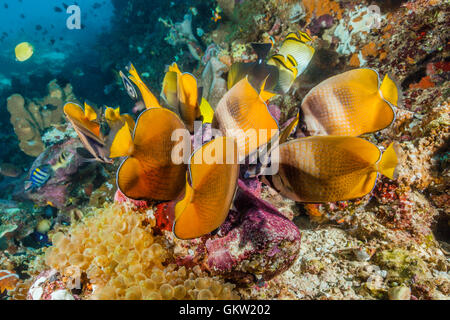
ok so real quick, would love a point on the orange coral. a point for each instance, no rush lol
(369, 50)
(320, 7)
(8, 280)
(424, 83)
(354, 60)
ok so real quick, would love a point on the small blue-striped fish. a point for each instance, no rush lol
(39, 176)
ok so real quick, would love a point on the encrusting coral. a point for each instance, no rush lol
(114, 254)
(31, 118)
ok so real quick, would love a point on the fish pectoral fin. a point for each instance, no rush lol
(388, 165)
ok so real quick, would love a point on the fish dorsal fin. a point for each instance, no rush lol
(174, 68)
(89, 112)
(388, 165)
(187, 92)
(208, 197)
(122, 144)
(150, 172)
(266, 95)
(241, 112)
(150, 100)
(169, 89)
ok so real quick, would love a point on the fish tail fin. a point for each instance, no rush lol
(262, 50)
(390, 91)
(388, 165)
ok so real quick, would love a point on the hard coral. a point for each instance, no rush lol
(113, 254)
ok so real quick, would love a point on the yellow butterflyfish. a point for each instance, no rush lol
(148, 171)
(330, 168)
(210, 189)
(23, 51)
(350, 104)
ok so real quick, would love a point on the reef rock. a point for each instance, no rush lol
(256, 242)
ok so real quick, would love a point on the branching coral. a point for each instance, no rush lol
(114, 253)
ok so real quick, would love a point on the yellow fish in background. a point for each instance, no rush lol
(330, 168)
(181, 92)
(242, 109)
(115, 119)
(352, 103)
(150, 100)
(24, 51)
(212, 181)
(148, 172)
(295, 45)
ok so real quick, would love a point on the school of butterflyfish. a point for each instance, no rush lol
(333, 164)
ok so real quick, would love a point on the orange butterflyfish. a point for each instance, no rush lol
(242, 114)
(212, 181)
(88, 130)
(148, 172)
(150, 100)
(257, 71)
(350, 104)
(331, 168)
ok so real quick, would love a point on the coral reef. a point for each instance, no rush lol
(113, 254)
(32, 117)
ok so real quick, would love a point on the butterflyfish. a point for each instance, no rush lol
(350, 104)
(331, 168)
(150, 100)
(287, 71)
(212, 180)
(257, 71)
(88, 130)
(148, 171)
(242, 114)
(23, 51)
(296, 46)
